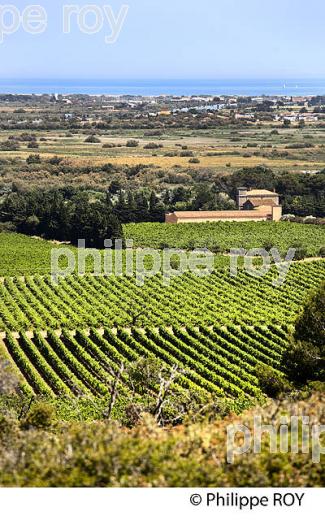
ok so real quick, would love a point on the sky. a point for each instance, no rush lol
(168, 39)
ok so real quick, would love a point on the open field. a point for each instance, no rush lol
(293, 150)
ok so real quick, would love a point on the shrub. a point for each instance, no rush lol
(288, 218)
(301, 253)
(55, 160)
(25, 137)
(309, 220)
(98, 454)
(9, 427)
(9, 383)
(301, 250)
(33, 144)
(298, 146)
(8, 227)
(9, 146)
(215, 249)
(41, 416)
(152, 146)
(272, 383)
(132, 143)
(268, 245)
(33, 159)
(92, 139)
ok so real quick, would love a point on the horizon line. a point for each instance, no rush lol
(224, 78)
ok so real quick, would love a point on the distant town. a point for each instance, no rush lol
(85, 109)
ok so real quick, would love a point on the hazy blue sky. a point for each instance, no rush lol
(176, 39)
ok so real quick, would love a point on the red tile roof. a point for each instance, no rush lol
(261, 193)
(221, 214)
(262, 202)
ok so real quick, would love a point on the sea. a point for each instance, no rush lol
(249, 87)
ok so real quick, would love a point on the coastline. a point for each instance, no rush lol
(157, 88)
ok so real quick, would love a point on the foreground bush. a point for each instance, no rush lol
(103, 454)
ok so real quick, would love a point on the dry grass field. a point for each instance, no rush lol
(222, 150)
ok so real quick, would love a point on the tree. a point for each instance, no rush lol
(156, 208)
(180, 194)
(203, 199)
(305, 358)
(310, 326)
(301, 250)
(254, 177)
(30, 226)
(155, 380)
(142, 207)
(113, 229)
(167, 198)
(115, 187)
(272, 382)
(211, 200)
(121, 207)
(93, 222)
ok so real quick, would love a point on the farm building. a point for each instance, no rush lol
(254, 205)
(256, 198)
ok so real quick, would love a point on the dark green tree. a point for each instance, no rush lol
(305, 358)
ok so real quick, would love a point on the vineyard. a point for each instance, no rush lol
(218, 360)
(72, 338)
(227, 235)
(21, 255)
(34, 303)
